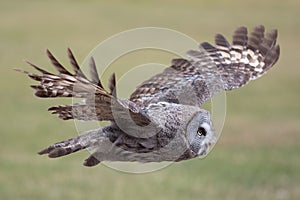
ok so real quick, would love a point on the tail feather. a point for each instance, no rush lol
(73, 144)
(63, 148)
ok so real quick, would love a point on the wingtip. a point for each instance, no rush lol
(274, 32)
(20, 70)
(221, 41)
(71, 56)
(277, 49)
(28, 62)
(50, 55)
(48, 52)
(94, 72)
(43, 151)
(112, 85)
(208, 47)
(259, 27)
(69, 49)
(242, 29)
(92, 61)
(57, 152)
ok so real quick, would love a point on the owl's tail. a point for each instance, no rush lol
(88, 140)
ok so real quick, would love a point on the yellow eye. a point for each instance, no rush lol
(201, 131)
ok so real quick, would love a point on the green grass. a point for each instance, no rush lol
(257, 156)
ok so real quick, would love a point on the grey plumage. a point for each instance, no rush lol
(162, 120)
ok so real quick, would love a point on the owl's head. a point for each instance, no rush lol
(192, 125)
(200, 133)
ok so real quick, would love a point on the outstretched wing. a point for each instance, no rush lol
(98, 103)
(212, 69)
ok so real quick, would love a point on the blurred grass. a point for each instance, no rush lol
(257, 156)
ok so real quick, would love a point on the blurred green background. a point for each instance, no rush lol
(257, 156)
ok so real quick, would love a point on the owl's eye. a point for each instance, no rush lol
(201, 131)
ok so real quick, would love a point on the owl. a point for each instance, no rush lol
(163, 119)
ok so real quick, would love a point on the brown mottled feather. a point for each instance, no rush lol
(94, 73)
(56, 64)
(74, 64)
(112, 85)
(99, 104)
(240, 37)
(235, 64)
(209, 70)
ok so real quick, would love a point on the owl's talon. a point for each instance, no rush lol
(91, 161)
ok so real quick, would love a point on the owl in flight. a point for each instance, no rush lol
(163, 119)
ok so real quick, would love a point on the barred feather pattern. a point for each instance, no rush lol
(216, 68)
(248, 58)
(98, 103)
(88, 140)
(161, 100)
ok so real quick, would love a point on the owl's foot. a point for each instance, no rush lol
(91, 161)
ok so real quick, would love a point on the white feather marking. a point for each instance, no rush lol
(244, 60)
(258, 69)
(65, 93)
(206, 126)
(250, 52)
(68, 77)
(227, 61)
(54, 92)
(59, 87)
(254, 63)
(49, 84)
(222, 48)
(225, 54)
(238, 55)
(239, 47)
(54, 77)
(262, 64)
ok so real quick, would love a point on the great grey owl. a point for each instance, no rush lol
(162, 120)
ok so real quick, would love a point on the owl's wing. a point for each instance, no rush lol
(212, 69)
(98, 103)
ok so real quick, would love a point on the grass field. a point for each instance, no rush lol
(257, 156)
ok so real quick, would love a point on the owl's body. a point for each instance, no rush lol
(162, 120)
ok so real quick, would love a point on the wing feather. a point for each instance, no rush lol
(57, 64)
(98, 103)
(206, 72)
(75, 65)
(212, 69)
(94, 73)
